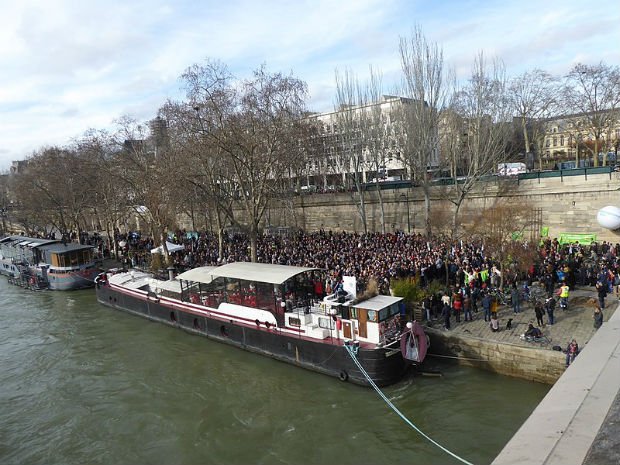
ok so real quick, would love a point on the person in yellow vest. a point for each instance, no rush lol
(564, 290)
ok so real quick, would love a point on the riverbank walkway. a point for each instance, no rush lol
(575, 323)
(578, 421)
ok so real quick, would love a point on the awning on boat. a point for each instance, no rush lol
(172, 286)
(377, 302)
(170, 246)
(198, 275)
(259, 272)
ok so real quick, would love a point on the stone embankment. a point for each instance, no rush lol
(578, 420)
(504, 352)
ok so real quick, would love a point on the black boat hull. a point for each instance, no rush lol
(384, 366)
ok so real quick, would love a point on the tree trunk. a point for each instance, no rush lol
(164, 247)
(381, 210)
(427, 211)
(526, 137)
(253, 243)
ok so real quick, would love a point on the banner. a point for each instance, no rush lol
(571, 238)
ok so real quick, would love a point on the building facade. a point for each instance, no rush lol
(572, 141)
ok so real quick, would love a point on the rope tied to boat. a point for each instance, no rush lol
(351, 352)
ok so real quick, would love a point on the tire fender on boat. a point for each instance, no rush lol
(343, 376)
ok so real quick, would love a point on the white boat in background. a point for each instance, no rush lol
(47, 263)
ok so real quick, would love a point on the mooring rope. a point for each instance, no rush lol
(398, 412)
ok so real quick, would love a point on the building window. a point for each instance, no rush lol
(561, 141)
(555, 141)
(548, 143)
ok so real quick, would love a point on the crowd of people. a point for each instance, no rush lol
(463, 267)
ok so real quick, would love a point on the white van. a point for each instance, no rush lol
(511, 169)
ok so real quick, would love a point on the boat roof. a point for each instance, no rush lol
(246, 271)
(198, 275)
(27, 241)
(378, 302)
(133, 279)
(173, 285)
(63, 248)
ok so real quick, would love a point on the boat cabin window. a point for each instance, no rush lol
(372, 316)
(73, 258)
(386, 313)
(294, 321)
(326, 323)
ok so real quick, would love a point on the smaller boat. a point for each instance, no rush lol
(414, 342)
(38, 263)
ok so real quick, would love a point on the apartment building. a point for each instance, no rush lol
(574, 139)
(364, 142)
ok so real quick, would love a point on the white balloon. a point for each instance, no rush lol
(609, 217)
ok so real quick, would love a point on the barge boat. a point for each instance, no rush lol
(274, 310)
(47, 263)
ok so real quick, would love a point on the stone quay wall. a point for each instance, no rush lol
(535, 364)
(566, 204)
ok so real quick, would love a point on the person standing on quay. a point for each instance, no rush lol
(540, 313)
(550, 307)
(564, 290)
(515, 298)
(467, 307)
(445, 313)
(598, 318)
(601, 290)
(486, 306)
(457, 306)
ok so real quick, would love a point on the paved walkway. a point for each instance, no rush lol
(574, 323)
(577, 421)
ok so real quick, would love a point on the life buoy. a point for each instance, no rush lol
(343, 376)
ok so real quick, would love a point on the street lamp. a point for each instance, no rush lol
(406, 197)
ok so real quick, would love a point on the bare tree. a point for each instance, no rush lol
(350, 104)
(250, 123)
(501, 229)
(110, 195)
(594, 93)
(478, 130)
(55, 191)
(428, 87)
(375, 134)
(150, 177)
(534, 96)
(203, 166)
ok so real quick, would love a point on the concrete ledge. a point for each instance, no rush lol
(563, 427)
(531, 363)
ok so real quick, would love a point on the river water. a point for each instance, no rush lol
(81, 383)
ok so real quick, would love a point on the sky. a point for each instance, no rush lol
(67, 66)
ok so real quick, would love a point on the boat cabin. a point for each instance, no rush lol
(285, 297)
(66, 257)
